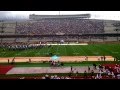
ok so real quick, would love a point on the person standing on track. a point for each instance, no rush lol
(71, 68)
(104, 57)
(85, 74)
(92, 73)
(86, 58)
(29, 60)
(13, 61)
(77, 73)
(94, 66)
(98, 58)
(8, 61)
(88, 69)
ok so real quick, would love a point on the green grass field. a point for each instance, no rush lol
(67, 50)
(66, 64)
(62, 50)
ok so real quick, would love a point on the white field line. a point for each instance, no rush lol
(67, 44)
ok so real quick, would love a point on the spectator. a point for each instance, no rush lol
(97, 76)
(109, 73)
(43, 77)
(85, 74)
(55, 76)
(52, 77)
(100, 67)
(70, 74)
(100, 76)
(92, 73)
(62, 77)
(113, 75)
(60, 26)
(77, 73)
(94, 65)
(47, 76)
(62, 64)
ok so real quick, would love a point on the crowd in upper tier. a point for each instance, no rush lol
(60, 26)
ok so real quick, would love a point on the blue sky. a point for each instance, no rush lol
(108, 15)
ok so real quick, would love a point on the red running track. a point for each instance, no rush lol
(111, 65)
(5, 68)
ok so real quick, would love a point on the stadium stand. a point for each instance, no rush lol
(60, 26)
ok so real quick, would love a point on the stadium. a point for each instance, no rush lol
(60, 47)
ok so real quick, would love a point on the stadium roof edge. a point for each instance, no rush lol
(33, 16)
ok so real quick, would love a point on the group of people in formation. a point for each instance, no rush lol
(23, 46)
(55, 63)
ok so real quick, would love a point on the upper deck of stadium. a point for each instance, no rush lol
(58, 24)
(37, 17)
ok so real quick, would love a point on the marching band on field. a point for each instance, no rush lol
(22, 46)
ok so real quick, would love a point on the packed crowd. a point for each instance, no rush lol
(55, 77)
(113, 71)
(56, 63)
(60, 26)
(106, 71)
